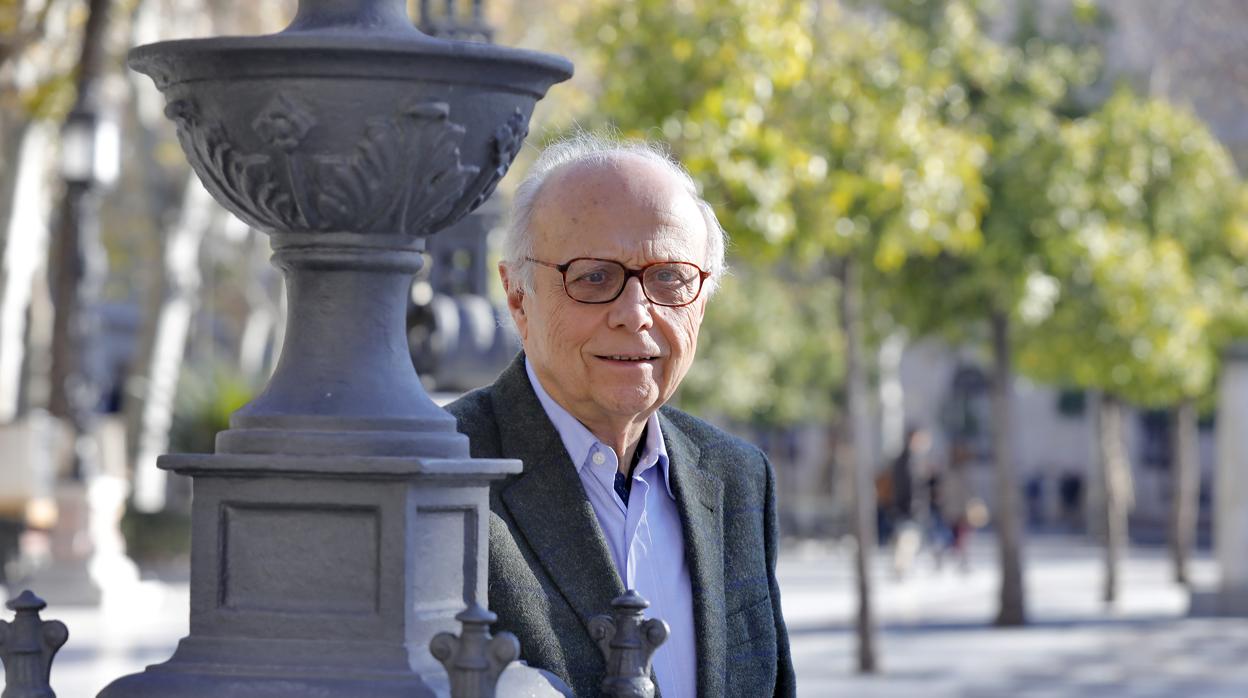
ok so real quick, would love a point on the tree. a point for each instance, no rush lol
(1010, 96)
(880, 180)
(1144, 234)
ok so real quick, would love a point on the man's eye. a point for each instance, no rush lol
(670, 277)
(593, 277)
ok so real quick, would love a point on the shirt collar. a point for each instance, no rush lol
(580, 441)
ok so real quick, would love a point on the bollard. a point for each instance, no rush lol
(628, 642)
(473, 659)
(27, 646)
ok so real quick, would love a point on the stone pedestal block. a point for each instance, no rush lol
(333, 572)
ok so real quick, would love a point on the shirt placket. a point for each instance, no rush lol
(637, 530)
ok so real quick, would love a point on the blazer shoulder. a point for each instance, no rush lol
(472, 406)
(475, 418)
(714, 440)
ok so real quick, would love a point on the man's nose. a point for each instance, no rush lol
(631, 310)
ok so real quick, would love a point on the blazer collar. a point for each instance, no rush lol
(547, 500)
(700, 499)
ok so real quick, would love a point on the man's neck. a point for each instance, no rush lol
(622, 433)
(624, 438)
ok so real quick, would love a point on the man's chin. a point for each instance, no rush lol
(626, 403)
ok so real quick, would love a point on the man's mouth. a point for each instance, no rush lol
(628, 357)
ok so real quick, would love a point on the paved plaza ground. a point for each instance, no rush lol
(935, 641)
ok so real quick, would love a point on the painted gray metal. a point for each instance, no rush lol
(628, 641)
(27, 647)
(473, 660)
(341, 523)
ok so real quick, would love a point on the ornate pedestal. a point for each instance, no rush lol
(341, 523)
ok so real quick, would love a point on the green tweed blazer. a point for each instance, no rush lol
(551, 571)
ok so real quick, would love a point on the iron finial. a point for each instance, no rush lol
(628, 642)
(473, 660)
(27, 646)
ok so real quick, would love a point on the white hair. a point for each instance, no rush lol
(589, 148)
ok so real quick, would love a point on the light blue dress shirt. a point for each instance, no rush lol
(645, 535)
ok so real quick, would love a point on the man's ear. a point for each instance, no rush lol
(515, 299)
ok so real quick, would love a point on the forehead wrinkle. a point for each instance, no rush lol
(602, 193)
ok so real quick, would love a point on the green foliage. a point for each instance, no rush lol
(813, 129)
(1145, 237)
(704, 76)
(157, 537)
(900, 182)
(1009, 96)
(37, 64)
(769, 351)
(952, 166)
(206, 399)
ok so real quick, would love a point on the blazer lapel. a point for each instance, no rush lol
(700, 498)
(547, 501)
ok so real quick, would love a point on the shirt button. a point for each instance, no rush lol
(599, 459)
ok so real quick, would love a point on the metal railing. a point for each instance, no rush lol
(474, 659)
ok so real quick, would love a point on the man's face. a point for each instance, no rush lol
(633, 212)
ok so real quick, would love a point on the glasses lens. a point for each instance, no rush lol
(593, 281)
(674, 283)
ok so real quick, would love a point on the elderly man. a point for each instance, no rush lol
(608, 265)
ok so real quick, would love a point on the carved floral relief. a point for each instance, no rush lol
(405, 174)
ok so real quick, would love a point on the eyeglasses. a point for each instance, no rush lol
(592, 280)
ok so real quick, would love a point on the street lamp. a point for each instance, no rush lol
(90, 149)
(89, 162)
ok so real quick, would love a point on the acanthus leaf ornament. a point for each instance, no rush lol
(405, 174)
(243, 183)
(435, 167)
(508, 140)
(361, 187)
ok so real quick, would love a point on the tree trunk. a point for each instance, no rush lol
(1185, 488)
(25, 253)
(77, 260)
(1117, 488)
(863, 469)
(180, 296)
(1009, 527)
(13, 128)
